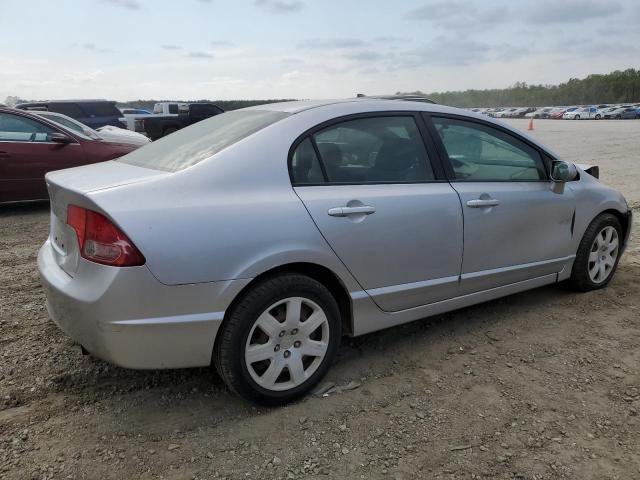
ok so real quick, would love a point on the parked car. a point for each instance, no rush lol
(624, 111)
(558, 113)
(131, 114)
(93, 113)
(540, 113)
(31, 146)
(135, 120)
(158, 126)
(107, 133)
(630, 113)
(492, 112)
(606, 109)
(522, 112)
(585, 113)
(283, 226)
(506, 113)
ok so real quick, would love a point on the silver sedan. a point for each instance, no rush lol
(256, 239)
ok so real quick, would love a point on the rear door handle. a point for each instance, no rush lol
(478, 203)
(345, 211)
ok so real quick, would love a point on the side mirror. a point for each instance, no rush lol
(563, 171)
(57, 137)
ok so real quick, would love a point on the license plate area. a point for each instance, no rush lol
(64, 244)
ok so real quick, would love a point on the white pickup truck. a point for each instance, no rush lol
(134, 116)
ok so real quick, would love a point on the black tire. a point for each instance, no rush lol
(169, 131)
(580, 279)
(228, 355)
(577, 117)
(598, 117)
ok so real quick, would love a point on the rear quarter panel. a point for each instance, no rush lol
(233, 216)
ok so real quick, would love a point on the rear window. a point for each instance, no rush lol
(100, 109)
(200, 141)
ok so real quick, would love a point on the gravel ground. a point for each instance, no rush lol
(540, 385)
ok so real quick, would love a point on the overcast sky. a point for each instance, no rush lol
(232, 49)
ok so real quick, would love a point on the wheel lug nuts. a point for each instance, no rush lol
(282, 333)
(287, 354)
(276, 348)
(294, 331)
(297, 344)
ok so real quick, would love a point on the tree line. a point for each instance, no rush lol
(615, 87)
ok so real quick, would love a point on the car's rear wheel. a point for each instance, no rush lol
(577, 117)
(598, 117)
(598, 254)
(279, 339)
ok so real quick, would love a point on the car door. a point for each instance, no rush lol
(384, 207)
(517, 222)
(27, 153)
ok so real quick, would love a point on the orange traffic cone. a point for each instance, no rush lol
(530, 124)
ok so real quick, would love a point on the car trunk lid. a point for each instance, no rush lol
(71, 187)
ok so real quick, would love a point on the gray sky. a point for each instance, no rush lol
(224, 49)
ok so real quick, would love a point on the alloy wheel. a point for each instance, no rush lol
(287, 344)
(603, 254)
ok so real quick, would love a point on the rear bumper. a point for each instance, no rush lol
(127, 317)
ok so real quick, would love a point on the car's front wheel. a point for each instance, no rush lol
(279, 339)
(598, 254)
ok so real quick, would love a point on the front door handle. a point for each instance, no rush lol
(478, 203)
(345, 211)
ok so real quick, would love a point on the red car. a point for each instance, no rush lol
(31, 146)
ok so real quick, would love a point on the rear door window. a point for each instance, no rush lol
(374, 150)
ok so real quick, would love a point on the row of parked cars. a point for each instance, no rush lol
(166, 118)
(38, 137)
(576, 112)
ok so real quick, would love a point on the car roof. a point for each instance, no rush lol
(363, 103)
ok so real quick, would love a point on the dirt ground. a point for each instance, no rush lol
(540, 385)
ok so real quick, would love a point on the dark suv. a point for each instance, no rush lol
(94, 113)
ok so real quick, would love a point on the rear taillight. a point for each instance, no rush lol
(101, 241)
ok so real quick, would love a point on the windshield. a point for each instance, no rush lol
(200, 141)
(71, 124)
